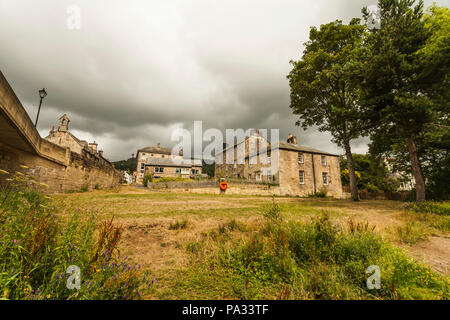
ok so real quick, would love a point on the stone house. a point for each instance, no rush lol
(295, 169)
(159, 162)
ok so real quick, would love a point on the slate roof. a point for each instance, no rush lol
(156, 150)
(167, 162)
(295, 147)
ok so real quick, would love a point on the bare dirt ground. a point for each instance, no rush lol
(435, 252)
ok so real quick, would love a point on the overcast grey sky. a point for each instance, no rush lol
(137, 69)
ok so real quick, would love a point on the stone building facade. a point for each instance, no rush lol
(159, 162)
(63, 137)
(297, 170)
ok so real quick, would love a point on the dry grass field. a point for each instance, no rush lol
(162, 230)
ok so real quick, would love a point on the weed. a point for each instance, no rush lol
(178, 225)
(412, 232)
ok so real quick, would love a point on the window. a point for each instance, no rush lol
(194, 171)
(300, 157)
(159, 169)
(235, 164)
(178, 170)
(301, 176)
(258, 176)
(142, 166)
(325, 178)
(324, 160)
(152, 155)
(163, 156)
(249, 176)
(143, 156)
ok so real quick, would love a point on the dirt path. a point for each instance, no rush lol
(435, 252)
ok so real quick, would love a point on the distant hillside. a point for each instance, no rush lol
(127, 165)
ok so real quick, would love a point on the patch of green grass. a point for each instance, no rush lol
(439, 208)
(434, 215)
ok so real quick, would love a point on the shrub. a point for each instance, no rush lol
(371, 188)
(319, 194)
(147, 178)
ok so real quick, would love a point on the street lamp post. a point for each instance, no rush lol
(42, 94)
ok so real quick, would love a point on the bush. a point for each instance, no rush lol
(147, 178)
(371, 188)
(318, 194)
(37, 247)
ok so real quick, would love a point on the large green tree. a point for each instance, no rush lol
(322, 91)
(404, 80)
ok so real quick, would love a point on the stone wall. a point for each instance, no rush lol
(212, 187)
(81, 171)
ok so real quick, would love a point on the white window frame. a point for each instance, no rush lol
(301, 177)
(301, 158)
(325, 178)
(324, 160)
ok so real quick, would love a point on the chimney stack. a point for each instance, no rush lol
(100, 153)
(159, 145)
(292, 139)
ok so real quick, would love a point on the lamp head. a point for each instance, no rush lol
(42, 93)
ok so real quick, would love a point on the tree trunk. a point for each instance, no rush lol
(351, 171)
(417, 172)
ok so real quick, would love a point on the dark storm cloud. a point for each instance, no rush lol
(138, 69)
